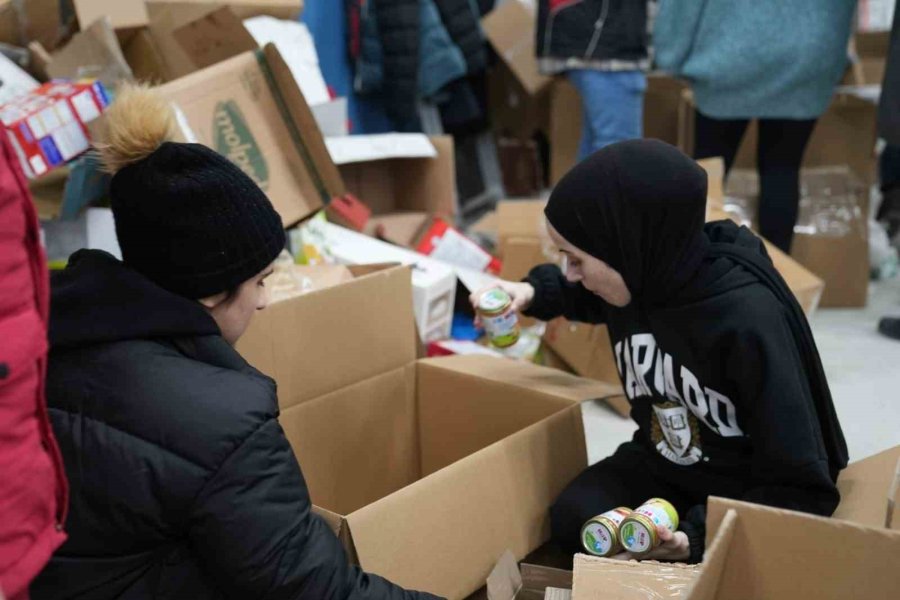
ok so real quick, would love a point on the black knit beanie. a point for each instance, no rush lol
(193, 222)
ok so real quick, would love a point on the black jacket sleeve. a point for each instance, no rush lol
(790, 465)
(556, 297)
(253, 528)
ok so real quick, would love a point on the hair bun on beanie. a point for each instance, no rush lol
(186, 217)
(137, 123)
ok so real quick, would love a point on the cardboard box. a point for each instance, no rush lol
(399, 453)
(510, 29)
(48, 126)
(434, 283)
(213, 38)
(868, 58)
(396, 173)
(831, 235)
(250, 109)
(661, 105)
(607, 579)
(510, 581)
(755, 553)
(513, 111)
(869, 489)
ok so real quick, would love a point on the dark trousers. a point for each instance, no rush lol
(779, 154)
(623, 479)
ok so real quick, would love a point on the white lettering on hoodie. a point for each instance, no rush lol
(639, 358)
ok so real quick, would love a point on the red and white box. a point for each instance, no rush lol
(445, 243)
(48, 126)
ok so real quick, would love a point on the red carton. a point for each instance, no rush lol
(48, 126)
(446, 243)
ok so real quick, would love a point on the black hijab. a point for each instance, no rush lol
(640, 207)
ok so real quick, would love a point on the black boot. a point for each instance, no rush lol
(890, 327)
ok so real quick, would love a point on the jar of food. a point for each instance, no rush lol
(600, 535)
(499, 319)
(638, 531)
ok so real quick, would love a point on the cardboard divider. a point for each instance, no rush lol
(357, 444)
(714, 559)
(866, 486)
(360, 346)
(461, 413)
(498, 497)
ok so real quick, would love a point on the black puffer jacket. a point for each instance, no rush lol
(609, 35)
(183, 484)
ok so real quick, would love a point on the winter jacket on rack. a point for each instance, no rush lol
(32, 483)
(183, 484)
(607, 35)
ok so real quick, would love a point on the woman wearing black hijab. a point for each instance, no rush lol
(715, 354)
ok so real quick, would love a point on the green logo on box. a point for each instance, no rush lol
(235, 142)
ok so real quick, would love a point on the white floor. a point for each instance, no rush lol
(863, 370)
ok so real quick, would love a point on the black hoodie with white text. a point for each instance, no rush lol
(713, 351)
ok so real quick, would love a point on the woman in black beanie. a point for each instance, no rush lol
(715, 354)
(183, 484)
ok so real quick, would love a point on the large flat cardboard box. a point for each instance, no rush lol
(510, 29)
(250, 109)
(428, 470)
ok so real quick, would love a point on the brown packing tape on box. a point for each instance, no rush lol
(422, 449)
(607, 579)
(510, 29)
(250, 109)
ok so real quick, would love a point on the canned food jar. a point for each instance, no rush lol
(500, 320)
(638, 531)
(600, 535)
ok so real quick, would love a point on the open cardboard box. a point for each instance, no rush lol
(250, 109)
(421, 184)
(757, 552)
(426, 469)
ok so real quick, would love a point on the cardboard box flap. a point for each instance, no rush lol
(505, 580)
(249, 109)
(552, 382)
(460, 412)
(358, 444)
(510, 28)
(361, 343)
(509, 487)
(866, 487)
(364, 148)
(607, 579)
(520, 219)
(707, 582)
(777, 553)
(214, 37)
(306, 135)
